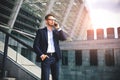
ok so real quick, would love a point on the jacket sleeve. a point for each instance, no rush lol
(62, 35)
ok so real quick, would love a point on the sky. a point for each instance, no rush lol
(104, 13)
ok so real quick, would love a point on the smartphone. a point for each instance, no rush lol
(55, 24)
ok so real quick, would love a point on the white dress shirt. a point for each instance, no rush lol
(51, 48)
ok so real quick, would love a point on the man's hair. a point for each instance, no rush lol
(46, 17)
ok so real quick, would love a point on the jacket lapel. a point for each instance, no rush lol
(45, 34)
(54, 37)
(53, 34)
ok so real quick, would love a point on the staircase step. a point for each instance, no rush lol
(7, 78)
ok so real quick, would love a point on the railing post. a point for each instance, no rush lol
(5, 55)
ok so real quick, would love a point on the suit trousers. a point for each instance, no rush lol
(50, 65)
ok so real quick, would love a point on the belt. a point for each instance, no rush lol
(50, 54)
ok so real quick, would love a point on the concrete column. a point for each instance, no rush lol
(118, 31)
(77, 21)
(71, 58)
(90, 34)
(110, 33)
(85, 58)
(68, 11)
(101, 57)
(100, 33)
(15, 13)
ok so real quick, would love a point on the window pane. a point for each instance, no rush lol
(109, 57)
(78, 57)
(93, 57)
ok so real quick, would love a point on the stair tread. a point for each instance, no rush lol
(9, 78)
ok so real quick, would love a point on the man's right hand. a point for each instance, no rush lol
(43, 57)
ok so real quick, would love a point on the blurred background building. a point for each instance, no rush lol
(83, 57)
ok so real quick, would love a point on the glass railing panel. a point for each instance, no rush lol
(19, 52)
(2, 41)
(19, 43)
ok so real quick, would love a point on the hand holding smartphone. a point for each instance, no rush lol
(56, 25)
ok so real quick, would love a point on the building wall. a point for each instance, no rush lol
(87, 71)
(100, 58)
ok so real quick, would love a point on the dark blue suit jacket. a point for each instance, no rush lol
(41, 42)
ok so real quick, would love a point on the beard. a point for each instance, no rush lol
(50, 25)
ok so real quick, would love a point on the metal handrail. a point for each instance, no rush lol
(16, 39)
(18, 31)
(6, 47)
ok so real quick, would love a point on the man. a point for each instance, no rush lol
(46, 46)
